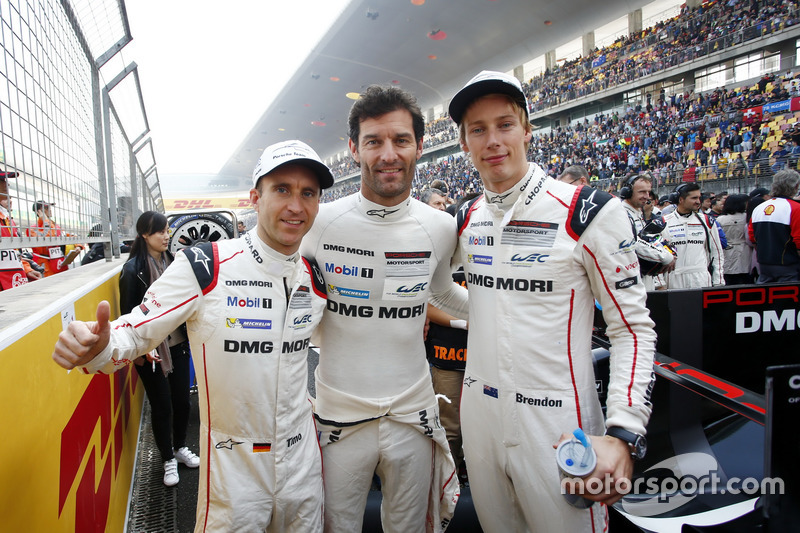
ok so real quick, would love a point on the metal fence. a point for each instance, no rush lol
(60, 128)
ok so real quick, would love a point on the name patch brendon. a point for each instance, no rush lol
(256, 303)
(530, 233)
(402, 264)
(510, 284)
(539, 402)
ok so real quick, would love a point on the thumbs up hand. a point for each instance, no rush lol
(80, 342)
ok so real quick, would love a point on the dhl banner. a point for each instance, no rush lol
(180, 204)
(67, 458)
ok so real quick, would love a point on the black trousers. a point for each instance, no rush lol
(169, 400)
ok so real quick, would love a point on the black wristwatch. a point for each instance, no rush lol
(637, 443)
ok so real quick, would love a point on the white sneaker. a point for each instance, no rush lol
(171, 473)
(185, 456)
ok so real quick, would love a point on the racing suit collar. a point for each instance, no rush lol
(506, 199)
(4, 212)
(382, 213)
(262, 248)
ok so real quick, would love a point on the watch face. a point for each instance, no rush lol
(640, 446)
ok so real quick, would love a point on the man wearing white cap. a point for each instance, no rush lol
(383, 254)
(537, 252)
(250, 306)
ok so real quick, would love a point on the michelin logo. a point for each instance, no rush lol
(248, 323)
(349, 293)
(480, 259)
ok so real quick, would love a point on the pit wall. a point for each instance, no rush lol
(67, 459)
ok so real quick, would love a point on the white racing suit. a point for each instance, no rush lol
(249, 313)
(695, 239)
(645, 250)
(375, 405)
(535, 260)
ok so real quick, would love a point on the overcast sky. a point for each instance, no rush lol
(210, 69)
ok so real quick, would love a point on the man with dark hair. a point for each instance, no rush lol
(775, 229)
(654, 257)
(537, 252)
(695, 238)
(383, 254)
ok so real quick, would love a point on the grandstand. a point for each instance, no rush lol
(642, 102)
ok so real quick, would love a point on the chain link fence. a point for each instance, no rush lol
(73, 126)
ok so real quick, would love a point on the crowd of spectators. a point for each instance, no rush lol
(692, 34)
(665, 134)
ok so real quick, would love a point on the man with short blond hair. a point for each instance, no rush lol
(536, 253)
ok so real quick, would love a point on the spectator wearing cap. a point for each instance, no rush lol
(444, 191)
(50, 257)
(781, 156)
(14, 271)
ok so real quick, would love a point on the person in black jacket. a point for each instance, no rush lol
(165, 374)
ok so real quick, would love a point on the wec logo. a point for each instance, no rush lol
(529, 258)
(419, 287)
(302, 320)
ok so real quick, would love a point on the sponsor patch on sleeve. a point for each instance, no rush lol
(627, 282)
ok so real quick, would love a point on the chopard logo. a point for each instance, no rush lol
(587, 207)
(381, 212)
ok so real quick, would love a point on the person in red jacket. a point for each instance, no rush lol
(775, 229)
(51, 257)
(13, 270)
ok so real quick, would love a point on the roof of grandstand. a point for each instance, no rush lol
(401, 43)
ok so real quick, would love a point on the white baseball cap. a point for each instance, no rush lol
(298, 152)
(487, 82)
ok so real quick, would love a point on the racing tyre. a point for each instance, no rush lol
(188, 230)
